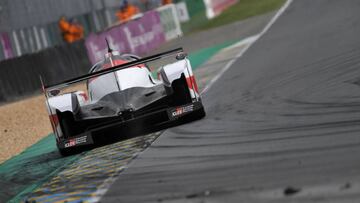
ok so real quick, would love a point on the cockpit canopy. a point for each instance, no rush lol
(113, 59)
(137, 76)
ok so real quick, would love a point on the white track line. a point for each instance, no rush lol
(242, 42)
(251, 40)
(248, 42)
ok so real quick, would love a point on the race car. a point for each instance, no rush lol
(122, 95)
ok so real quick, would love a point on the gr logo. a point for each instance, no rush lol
(75, 141)
(181, 110)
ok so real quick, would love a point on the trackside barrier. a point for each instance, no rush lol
(19, 77)
(136, 36)
(170, 21)
(182, 11)
(31, 35)
(197, 13)
(6, 46)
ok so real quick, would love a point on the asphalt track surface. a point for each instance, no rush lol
(282, 123)
(231, 32)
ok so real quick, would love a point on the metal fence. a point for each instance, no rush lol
(28, 26)
(19, 76)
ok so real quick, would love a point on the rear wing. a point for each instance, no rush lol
(106, 71)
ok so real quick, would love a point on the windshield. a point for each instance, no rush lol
(114, 60)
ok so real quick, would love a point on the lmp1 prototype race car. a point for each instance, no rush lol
(121, 95)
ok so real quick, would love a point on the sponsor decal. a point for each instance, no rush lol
(182, 12)
(75, 141)
(182, 110)
(136, 36)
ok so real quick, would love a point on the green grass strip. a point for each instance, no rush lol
(31, 168)
(199, 57)
(240, 11)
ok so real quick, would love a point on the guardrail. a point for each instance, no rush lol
(19, 77)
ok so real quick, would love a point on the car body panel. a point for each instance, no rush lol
(120, 93)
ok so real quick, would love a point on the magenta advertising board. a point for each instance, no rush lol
(6, 45)
(135, 37)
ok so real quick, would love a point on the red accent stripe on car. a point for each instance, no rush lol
(191, 82)
(54, 119)
(84, 95)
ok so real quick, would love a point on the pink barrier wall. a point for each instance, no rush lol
(135, 37)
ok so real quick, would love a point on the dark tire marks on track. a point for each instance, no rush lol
(284, 115)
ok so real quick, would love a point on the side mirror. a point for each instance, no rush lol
(181, 56)
(54, 92)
